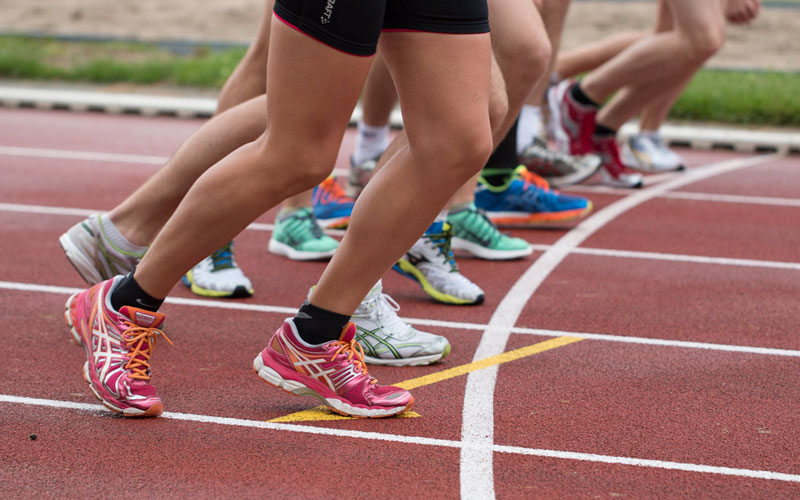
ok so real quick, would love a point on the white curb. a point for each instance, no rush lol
(693, 136)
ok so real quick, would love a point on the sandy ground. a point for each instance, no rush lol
(771, 42)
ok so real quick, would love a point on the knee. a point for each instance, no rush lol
(704, 43)
(301, 167)
(523, 63)
(467, 149)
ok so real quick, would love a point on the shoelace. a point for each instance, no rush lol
(353, 350)
(333, 191)
(135, 337)
(484, 227)
(442, 241)
(532, 179)
(223, 258)
(387, 309)
(305, 221)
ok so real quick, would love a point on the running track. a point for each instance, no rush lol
(650, 351)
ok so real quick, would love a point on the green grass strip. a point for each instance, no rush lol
(736, 97)
(741, 97)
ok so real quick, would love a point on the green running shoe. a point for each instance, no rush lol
(473, 232)
(297, 235)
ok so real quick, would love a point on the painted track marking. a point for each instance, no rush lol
(68, 154)
(605, 252)
(447, 374)
(423, 441)
(477, 464)
(220, 304)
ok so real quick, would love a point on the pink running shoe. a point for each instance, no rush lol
(118, 346)
(333, 372)
(573, 123)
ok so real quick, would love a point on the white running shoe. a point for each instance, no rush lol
(218, 276)
(388, 340)
(91, 251)
(646, 151)
(430, 263)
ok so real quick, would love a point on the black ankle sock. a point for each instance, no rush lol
(317, 326)
(504, 159)
(601, 130)
(577, 93)
(129, 293)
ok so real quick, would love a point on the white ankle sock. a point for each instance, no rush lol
(370, 142)
(529, 126)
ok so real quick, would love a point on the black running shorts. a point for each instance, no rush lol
(353, 26)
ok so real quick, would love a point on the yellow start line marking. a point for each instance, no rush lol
(322, 413)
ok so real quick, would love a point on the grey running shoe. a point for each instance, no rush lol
(647, 152)
(90, 251)
(360, 174)
(388, 340)
(558, 169)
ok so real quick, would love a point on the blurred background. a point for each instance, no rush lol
(193, 46)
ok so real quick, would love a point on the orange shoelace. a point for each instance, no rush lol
(353, 349)
(136, 337)
(335, 188)
(531, 178)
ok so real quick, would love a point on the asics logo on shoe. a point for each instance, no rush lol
(314, 367)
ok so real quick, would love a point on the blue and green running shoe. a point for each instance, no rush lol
(431, 264)
(218, 276)
(527, 199)
(473, 232)
(298, 237)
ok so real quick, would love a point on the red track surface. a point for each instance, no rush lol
(675, 407)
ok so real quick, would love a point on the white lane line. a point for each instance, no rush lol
(67, 154)
(604, 252)
(477, 468)
(41, 209)
(540, 332)
(690, 259)
(733, 198)
(421, 441)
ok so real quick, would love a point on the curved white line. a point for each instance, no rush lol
(477, 426)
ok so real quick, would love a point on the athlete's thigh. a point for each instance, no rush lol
(692, 16)
(515, 22)
(316, 66)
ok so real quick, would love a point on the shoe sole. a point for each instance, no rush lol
(287, 251)
(487, 253)
(338, 406)
(84, 265)
(334, 223)
(409, 271)
(153, 411)
(239, 292)
(533, 219)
